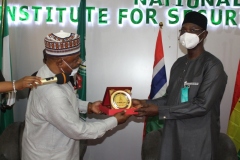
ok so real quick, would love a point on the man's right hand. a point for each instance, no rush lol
(121, 117)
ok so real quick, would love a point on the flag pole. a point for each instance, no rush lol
(2, 23)
(2, 18)
(3, 14)
(160, 25)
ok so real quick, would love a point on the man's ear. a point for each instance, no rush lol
(205, 34)
(59, 62)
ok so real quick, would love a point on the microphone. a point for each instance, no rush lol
(60, 78)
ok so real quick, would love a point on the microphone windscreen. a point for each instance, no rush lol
(62, 78)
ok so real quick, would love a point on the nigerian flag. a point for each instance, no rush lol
(5, 62)
(81, 30)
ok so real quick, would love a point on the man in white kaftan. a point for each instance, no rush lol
(52, 125)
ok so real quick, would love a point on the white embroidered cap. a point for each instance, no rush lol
(62, 43)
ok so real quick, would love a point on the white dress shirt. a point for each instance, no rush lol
(52, 124)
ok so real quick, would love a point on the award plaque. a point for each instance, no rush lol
(117, 99)
(120, 99)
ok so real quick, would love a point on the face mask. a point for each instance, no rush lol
(74, 71)
(190, 40)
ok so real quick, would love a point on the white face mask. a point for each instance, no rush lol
(190, 40)
(74, 71)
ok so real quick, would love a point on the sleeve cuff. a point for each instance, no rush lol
(164, 113)
(83, 106)
(110, 123)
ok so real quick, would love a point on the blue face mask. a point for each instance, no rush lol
(74, 71)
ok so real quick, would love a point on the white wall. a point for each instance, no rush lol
(118, 56)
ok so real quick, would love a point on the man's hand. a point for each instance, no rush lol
(147, 110)
(121, 117)
(94, 107)
(136, 103)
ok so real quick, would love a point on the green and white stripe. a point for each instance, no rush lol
(5, 62)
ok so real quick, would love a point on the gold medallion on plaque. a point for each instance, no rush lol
(120, 99)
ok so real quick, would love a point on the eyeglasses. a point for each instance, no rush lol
(195, 31)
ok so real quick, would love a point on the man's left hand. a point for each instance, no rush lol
(94, 107)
